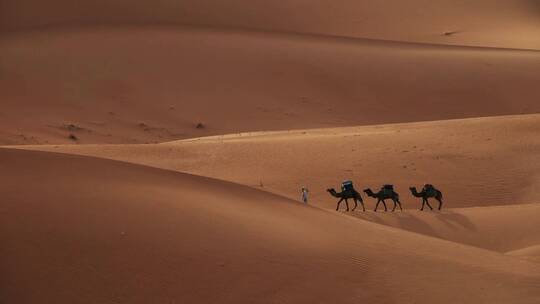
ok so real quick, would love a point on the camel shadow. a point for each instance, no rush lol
(421, 222)
(453, 220)
(369, 217)
(402, 220)
(412, 222)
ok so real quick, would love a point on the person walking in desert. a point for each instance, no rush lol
(305, 193)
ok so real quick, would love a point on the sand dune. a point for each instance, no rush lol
(160, 206)
(152, 84)
(531, 253)
(496, 160)
(500, 228)
(497, 23)
(85, 230)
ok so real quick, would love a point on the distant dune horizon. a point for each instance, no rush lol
(492, 23)
(157, 151)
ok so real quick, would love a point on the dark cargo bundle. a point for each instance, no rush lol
(347, 185)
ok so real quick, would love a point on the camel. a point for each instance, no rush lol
(383, 195)
(425, 195)
(345, 195)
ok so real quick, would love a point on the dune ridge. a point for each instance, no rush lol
(154, 151)
(505, 229)
(141, 85)
(496, 23)
(112, 227)
(531, 253)
(494, 158)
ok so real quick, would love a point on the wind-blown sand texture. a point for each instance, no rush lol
(496, 160)
(153, 84)
(154, 151)
(493, 23)
(89, 230)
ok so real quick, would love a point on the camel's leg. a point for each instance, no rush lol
(423, 203)
(339, 202)
(384, 204)
(347, 203)
(399, 203)
(355, 204)
(440, 203)
(377, 205)
(363, 207)
(427, 202)
(395, 205)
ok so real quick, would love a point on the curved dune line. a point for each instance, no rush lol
(80, 229)
(482, 23)
(495, 159)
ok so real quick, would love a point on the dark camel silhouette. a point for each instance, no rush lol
(345, 195)
(383, 195)
(425, 195)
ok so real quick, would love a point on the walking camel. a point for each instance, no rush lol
(426, 193)
(383, 194)
(345, 196)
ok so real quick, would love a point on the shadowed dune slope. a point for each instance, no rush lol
(86, 230)
(499, 228)
(138, 85)
(496, 159)
(496, 23)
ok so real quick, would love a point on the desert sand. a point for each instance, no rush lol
(89, 230)
(531, 253)
(154, 151)
(493, 23)
(496, 159)
(496, 221)
(155, 83)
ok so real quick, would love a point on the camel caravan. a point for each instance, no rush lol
(386, 192)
